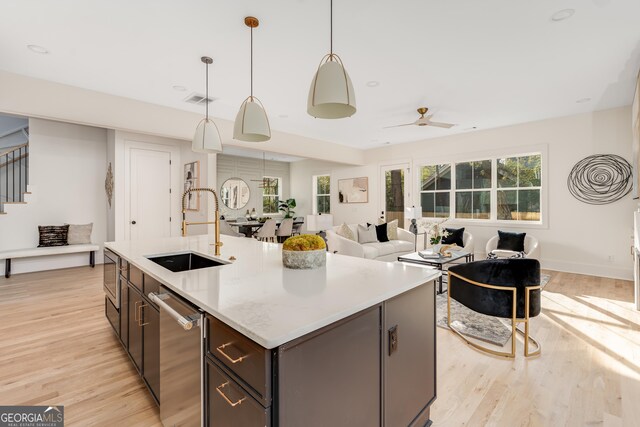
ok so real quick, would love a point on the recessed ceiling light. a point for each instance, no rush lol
(373, 83)
(563, 14)
(472, 128)
(583, 100)
(179, 88)
(283, 116)
(37, 49)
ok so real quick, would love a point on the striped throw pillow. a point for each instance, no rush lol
(53, 235)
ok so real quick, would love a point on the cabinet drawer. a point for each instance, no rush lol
(245, 358)
(112, 314)
(135, 277)
(228, 404)
(151, 285)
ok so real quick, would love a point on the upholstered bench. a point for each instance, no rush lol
(49, 250)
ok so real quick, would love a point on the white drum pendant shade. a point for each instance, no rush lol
(331, 95)
(252, 124)
(207, 138)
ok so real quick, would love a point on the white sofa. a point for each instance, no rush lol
(381, 251)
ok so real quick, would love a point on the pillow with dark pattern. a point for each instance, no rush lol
(53, 235)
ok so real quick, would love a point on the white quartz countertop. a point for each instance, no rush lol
(260, 298)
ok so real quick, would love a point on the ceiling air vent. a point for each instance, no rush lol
(197, 98)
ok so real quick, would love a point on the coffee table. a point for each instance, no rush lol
(438, 263)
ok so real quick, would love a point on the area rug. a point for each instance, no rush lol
(475, 325)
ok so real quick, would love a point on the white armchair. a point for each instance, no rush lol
(467, 241)
(531, 246)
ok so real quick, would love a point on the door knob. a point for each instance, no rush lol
(133, 222)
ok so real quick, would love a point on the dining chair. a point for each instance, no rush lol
(285, 230)
(267, 232)
(225, 228)
(297, 225)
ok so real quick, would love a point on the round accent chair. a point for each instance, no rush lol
(507, 288)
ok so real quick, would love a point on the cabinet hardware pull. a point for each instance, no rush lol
(220, 350)
(219, 389)
(135, 312)
(140, 307)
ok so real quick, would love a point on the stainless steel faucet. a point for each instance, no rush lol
(185, 224)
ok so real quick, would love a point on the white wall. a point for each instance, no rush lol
(251, 170)
(31, 97)
(575, 237)
(67, 171)
(182, 154)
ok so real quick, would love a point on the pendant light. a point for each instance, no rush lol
(207, 138)
(331, 94)
(252, 124)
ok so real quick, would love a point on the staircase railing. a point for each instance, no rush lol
(14, 174)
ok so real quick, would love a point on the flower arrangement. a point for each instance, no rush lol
(304, 242)
(435, 230)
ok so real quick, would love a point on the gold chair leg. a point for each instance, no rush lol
(510, 355)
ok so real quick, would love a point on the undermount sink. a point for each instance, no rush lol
(185, 261)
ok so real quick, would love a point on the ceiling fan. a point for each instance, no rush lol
(425, 121)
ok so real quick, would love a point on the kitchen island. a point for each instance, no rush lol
(352, 343)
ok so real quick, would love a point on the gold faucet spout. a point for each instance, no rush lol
(185, 224)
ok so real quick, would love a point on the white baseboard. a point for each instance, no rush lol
(600, 270)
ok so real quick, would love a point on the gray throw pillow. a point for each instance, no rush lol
(80, 234)
(367, 234)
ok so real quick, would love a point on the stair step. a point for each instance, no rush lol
(14, 203)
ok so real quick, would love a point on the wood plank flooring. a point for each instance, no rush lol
(57, 348)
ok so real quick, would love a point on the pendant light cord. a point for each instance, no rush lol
(331, 27)
(252, 63)
(206, 100)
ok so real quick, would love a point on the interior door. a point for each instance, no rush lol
(395, 195)
(150, 192)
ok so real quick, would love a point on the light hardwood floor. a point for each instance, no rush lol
(56, 347)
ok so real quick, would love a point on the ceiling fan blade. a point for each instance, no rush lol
(397, 126)
(441, 125)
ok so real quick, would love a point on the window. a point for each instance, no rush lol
(271, 194)
(435, 191)
(322, 194)
(473, 190)
(519, 187)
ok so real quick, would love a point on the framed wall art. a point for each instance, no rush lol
(353, 190)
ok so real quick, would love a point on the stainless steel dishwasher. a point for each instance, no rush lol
(181, 344)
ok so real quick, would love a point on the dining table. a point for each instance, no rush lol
(249, 227)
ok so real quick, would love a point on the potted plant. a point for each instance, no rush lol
(306, 251)
(287, 208)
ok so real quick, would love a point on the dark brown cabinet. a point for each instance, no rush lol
(374, 368)
(151, 347)
(124, 312)
(135, 328)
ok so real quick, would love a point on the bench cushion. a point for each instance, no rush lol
(49, 250)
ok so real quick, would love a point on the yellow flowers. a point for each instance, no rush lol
(304, 242)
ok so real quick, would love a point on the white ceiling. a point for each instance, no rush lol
(474, 63)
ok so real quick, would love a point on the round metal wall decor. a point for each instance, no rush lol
(600, 179)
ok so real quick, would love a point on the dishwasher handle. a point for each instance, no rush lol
(186, 322)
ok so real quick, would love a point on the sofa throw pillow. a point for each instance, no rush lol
(345, 231)
(79, 234)
(392, 230)
(381, 232)
(367, 234)
(53, 235)
(511, 241)
(455, 237)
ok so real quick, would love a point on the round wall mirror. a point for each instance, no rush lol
(235, 193)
